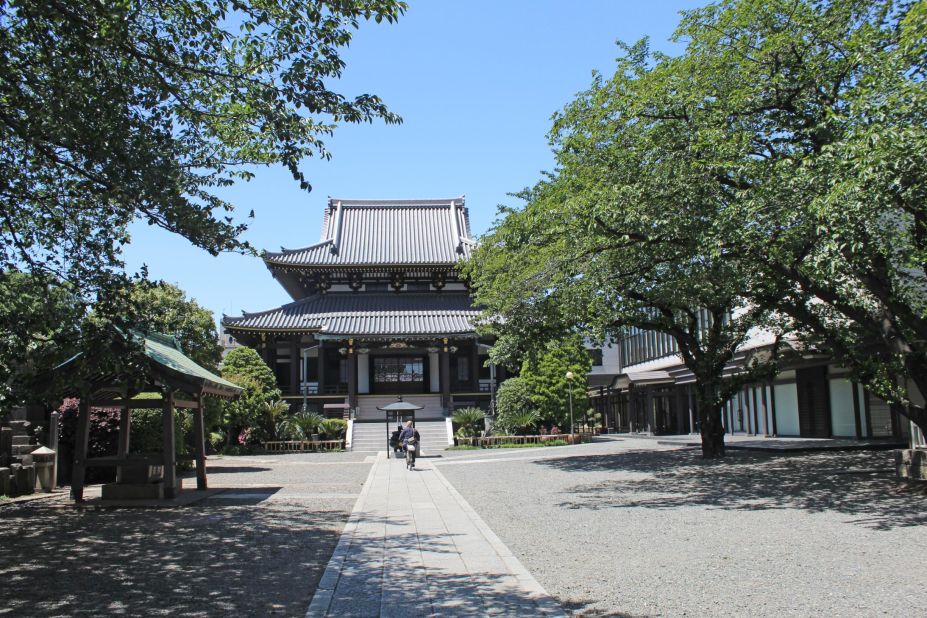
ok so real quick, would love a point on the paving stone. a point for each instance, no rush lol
(413, 537)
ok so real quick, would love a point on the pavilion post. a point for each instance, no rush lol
(125, 427)
(81, 442)
(199, 436)
(170, 447)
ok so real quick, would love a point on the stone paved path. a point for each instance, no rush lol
(414, 547)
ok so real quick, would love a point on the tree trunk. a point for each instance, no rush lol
(710, 423)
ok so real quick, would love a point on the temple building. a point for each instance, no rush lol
(379, 310)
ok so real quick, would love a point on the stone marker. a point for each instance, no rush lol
(5, 485)
(53, 445)
(6, 445)
(911, 464)
(25, 480)
(44, 459)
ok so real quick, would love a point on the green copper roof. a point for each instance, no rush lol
(166, 351)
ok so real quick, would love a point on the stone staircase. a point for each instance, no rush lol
(372, 436)
(431, 406)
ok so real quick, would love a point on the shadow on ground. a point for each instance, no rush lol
(860, 485)
(203, 560)
(214, 470)
(422, 574)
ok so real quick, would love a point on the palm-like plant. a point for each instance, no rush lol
(521, 422)
(468, 421)
(299, 426)
(333, 428)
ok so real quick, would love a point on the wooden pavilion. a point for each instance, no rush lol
(182, 385)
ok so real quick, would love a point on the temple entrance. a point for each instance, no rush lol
(398, 374)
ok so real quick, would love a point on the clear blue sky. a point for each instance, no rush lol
(476, 82)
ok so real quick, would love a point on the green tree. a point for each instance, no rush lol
(813, 117)
(624, 235)
(117, 111)
(512, 399)
(48, 318)
(246, 368)
(545, 375)
(165, 308)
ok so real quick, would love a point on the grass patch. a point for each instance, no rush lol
(463, 447)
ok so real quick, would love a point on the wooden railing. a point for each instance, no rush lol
(303, 446)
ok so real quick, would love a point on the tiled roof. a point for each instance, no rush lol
(386, 232)
(396, 313)
(166, 352)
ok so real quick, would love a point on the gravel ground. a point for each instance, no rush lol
(256, 549)
(627, 528)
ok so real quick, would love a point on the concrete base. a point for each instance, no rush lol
(911, 464)
(136, 491)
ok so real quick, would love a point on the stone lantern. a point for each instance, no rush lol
(44, 460)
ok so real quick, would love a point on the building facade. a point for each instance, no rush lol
(379, 310)
(644, 387)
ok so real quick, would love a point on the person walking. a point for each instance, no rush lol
(410, 433)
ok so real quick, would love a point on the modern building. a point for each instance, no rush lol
(379, 310)
(643, 386)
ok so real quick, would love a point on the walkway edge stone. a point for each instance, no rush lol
(321, 600)
(545, 603)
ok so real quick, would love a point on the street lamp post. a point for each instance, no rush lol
(569, 377)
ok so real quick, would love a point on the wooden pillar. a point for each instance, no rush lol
(772, 408)
(170, 448)
(445, 366)
(352, 374)
(294, 365)
(81, 442)
(199, 439)
(321, 367)
(125, 428)
(475, 368)
(857, 418)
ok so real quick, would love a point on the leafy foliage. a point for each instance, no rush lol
(512, 398)
(45, 330)
(333, 428)
(165, 308)
(547, 382)
(518, 423)
(469, 421)
(120, 111)
(244, 367)
(746, 183)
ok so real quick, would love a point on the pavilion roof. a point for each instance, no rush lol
(167, 359)
(370, 314)
(165, 352)
(386, 232)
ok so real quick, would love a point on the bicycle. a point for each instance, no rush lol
(411, 448)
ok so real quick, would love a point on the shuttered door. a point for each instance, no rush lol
(813, 402)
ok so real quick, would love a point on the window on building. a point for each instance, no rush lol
(463, 369)
(596, 356)
(398, 370)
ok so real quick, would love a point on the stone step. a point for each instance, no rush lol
(20, 426)
(21, 439)
(22, 449)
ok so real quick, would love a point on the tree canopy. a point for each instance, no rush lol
(745, 183)
(164, 308)
(112, 112)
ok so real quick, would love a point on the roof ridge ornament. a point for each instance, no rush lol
(336, 241)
